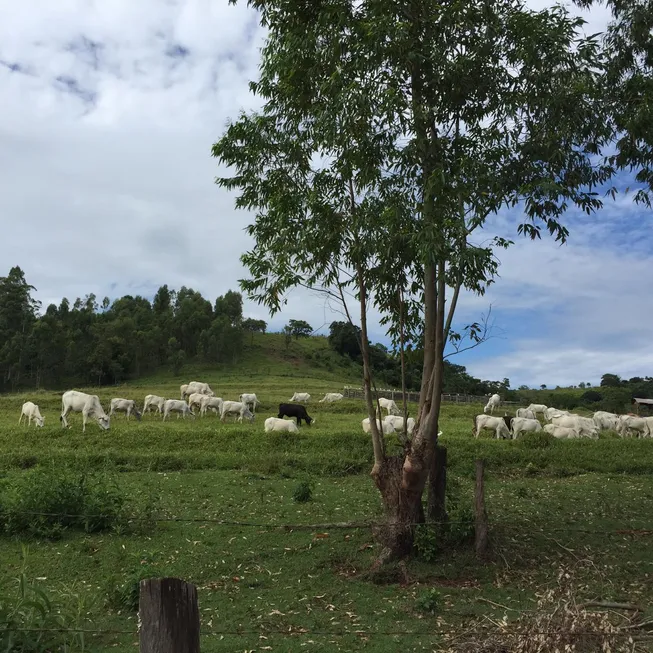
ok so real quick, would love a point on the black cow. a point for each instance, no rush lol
(508, 420)
(294, 410)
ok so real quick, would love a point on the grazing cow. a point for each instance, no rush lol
(629, 424)
(525, 412)
(492, 403)
(606, 421)
(385, 427)
(561, 432)
(300, 396)
(236, 408)
(88, 405)
(537, 409)
(31, 411)
(496, 424)
(296, 411)
(176, 406)
(213, 403)
(196, 386)
(508, 420)
(195, 400)
(397, 422)
(153, 401)
(550, 413)
(389, 405)
(330, 397)
(124, 406)
(583, 425)
(276, 424)
(250, 400)
(524, 425)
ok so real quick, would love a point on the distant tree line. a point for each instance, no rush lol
(100, 343)
(345, 339)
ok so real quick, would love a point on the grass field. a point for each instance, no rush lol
(552, 505)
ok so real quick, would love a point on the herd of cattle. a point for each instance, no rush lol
(199, 396)
(194, 395)
(560, 424)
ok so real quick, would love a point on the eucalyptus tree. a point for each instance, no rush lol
(628, 84)
(390, 132)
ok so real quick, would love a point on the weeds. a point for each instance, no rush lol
(35, 621)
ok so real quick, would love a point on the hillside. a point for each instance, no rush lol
(266, 355)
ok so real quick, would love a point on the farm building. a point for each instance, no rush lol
(646, 404)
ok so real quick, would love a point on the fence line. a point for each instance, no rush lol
(169, 615)
(358, 393)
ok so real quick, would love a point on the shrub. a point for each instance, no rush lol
(44, 502)
(302, 492)
(428, 601)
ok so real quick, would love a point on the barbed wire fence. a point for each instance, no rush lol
(169, 615)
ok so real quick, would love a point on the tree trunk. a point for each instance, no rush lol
(436, 510)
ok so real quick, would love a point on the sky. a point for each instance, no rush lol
(108, 114)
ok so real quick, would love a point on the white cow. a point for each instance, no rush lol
(496, 424)
(176, 406)
(276, 424)
(213, 403)
(550, 413)
(124, 406)
(88, 405)
(606, 421)
(525, 412)
(249, 399)
(384, 427)
(196, 386)
(397, 422)
(561, 432)
(31, 411)
(195, 400)
(236, 408)
(300, 396)
(583, 425)
(537, 408)
(492, 403)
(389, 405)
(524, 425)
(330, 397)
(153, 401)
(629, 424)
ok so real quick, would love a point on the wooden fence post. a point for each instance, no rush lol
(169, 616)
(481, 514)
(436, 508)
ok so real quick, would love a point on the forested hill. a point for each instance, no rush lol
(103, 342)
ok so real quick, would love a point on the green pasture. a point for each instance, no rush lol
(574, 505)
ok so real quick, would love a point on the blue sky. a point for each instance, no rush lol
(109, 113)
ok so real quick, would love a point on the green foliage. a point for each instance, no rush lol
(303, 492)
(47, 501)
(125, 339)
(300, 329)
(428, 601)
(610, 381)
(34, 620)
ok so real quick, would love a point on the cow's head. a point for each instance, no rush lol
(104, 423)
(309, 420)
(39, 421)
(138, 414)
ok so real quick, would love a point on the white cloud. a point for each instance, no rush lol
(109, 113)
